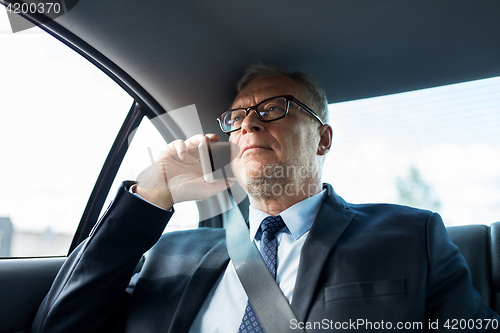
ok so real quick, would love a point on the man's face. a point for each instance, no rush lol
(280, 152)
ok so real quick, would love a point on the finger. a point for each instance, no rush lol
(181, 148)
(218, 186)
(200, 138)
(169, 151)
(195, 140)
(212, 137)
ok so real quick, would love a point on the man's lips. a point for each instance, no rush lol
(253, 148)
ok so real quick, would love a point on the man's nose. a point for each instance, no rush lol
(251, 123)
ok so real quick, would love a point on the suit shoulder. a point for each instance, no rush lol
(391, 211)
(374, 209)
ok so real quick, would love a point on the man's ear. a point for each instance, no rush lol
(325, 140)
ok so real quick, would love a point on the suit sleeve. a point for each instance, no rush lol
(88, 293)
(450, 294)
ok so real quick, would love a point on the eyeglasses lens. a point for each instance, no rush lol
(268, 110)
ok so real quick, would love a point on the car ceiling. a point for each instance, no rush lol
(192, 52)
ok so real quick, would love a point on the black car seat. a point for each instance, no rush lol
(480, 246)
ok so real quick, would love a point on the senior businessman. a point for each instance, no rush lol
(335, 262)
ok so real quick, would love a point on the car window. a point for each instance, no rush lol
(145, 143)
(59, 117)
(437, 149)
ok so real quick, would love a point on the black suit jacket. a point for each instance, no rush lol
(372, 265)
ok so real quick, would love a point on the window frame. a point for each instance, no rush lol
(144, 105)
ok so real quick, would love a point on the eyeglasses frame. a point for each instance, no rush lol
(288, 98)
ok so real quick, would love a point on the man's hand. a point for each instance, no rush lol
(177, 176)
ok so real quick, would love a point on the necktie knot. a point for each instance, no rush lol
(272, 224)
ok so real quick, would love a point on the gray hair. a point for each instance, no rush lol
(312, 91)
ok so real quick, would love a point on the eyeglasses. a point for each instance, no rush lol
(271, 109)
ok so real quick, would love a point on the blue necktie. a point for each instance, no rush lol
(269, 251)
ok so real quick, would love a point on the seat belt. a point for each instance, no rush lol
(269, 304)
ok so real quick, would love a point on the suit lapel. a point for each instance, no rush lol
(202, 281)
(332, 219)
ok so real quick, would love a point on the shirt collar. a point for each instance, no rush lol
(298, 218)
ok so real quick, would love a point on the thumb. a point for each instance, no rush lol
(221, 185)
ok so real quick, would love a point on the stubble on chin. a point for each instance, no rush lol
(260, 182)
(270, 180)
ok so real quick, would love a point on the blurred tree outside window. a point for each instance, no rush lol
(414, 191)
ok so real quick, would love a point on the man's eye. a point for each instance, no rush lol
(274, 108)
(234, 120)
(271, 109)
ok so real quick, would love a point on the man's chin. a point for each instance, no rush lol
(257, 178)
(258, 170)
(258, 163)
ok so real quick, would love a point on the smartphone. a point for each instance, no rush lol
(216, 160)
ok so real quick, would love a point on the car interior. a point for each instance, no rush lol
(168, 55)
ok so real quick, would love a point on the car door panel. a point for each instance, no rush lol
(24, 283)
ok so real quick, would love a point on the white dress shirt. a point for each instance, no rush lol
(224, 307)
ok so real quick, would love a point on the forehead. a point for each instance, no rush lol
(265, 87)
